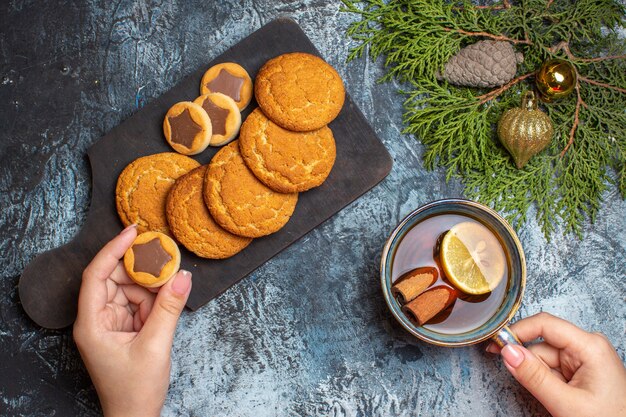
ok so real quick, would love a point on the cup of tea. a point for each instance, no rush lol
(453, 273)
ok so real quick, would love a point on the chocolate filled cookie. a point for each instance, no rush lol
(230, 79)
(187, 128)
(224, 114)
(299, 91)
(192, 224)
(152, 259)
(239, 202)
(283, 160)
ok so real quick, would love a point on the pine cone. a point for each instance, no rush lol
(483, 64)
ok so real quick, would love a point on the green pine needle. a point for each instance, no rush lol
(457, 124)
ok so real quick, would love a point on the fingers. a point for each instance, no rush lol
(559, 375)
(142, 299)
(158, 331)
(539, 380)
(557, 332)
(93, 290)
(548, 354)
(493, 348)
(117, 278)
(119, 275)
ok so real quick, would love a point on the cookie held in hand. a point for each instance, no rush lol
(152, 259)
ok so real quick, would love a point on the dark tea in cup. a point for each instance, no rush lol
(453, 273)
(450, 273)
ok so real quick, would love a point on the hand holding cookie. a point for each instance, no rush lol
(124, 332)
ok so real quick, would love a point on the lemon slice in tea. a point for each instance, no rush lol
(472, 258)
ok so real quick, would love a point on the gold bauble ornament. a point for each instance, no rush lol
(525, 131)
(555, 79)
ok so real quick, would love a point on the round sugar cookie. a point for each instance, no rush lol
(142, 189)
(187, 128)
(283, 160)
(152, 259)
(299, 91)
(224, 114)
(239, 202)
(192, 224)
(230, 79)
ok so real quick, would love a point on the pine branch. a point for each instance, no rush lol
(489, 35)
(579, 102)
(564, 46)
(456, 125)
(495, 93)
(601, 84)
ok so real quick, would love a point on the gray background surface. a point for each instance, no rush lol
(306, 334)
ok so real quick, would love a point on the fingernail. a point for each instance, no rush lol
(491, 348)
(181, 283)
(132, 226)
(512, 355)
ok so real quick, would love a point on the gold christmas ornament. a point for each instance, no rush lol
(555, 79)
(525, 131)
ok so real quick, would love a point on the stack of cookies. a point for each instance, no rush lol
(250, 188)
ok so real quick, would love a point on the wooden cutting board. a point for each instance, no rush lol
(49, 285)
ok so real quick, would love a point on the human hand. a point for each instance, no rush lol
(124, 332)
(573, 373)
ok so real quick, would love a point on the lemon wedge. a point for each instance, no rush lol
(472, 258)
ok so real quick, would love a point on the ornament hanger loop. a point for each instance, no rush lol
(528, 101)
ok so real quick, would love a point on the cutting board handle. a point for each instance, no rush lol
(49, 285)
